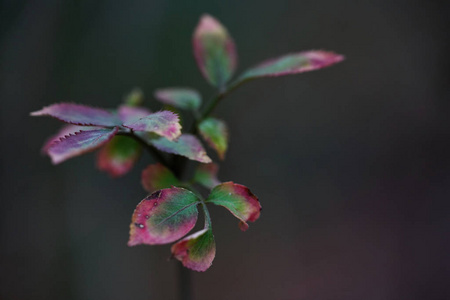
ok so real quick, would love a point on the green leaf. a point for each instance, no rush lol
(184, 98)
(187, 145)
(134, 98)
(239, 200)
(163, 217)
(196, 251)
(118, 156)
(215, 133)
(214, 51)
(206, 175)
(164, 123)
(156, 177)
(292, 64)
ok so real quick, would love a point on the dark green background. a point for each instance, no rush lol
(351, 163)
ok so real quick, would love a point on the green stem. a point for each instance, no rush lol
(215, 101)
(207, 216)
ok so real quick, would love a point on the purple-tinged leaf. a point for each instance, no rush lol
(292, 64)
(206, 175)
(65, 130)
(164, 123)
(79, 143)
(118, 156)
(184, 98)
(186, 145)
(196, 251)
(79, 115)
(163, 217)
(128, 114)
(214, 51)
(238, 200)
(215, 133)
(134, 98)
(156, 177)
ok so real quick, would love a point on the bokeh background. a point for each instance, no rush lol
(351, 163)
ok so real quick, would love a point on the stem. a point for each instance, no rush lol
(177, 166)
(215, 101)
(184, 283)
(153, 151)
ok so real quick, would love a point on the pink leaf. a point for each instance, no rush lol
(128, 114)
(65, 130)
(79, 115)
(118, 156)
(214, 51)
(187, 145)
(164, 123)
(79, 143)
(238, 200)
(156, 177)
(292, 64)
(163, 217)
(196, 251)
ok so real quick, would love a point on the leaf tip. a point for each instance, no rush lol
(208, 24)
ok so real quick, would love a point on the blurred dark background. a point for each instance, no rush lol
(351, 163)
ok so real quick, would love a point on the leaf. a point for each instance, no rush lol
(196, 251)
(79, 143)
(134, 98)
(215, 133)
(184, 98)
(214, 51)
(118, 156)
(292, 64)
(163, 217)
(238, 200)
(164, 123)
(206, 175)
(187, 145)
(156, 177)
(79, 115)
(65, 130)
(128, 114)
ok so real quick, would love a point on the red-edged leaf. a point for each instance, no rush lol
(164, 123)
(215, 133)
(196, 251)
(292, 64)
(184, 98)
(187, 145)
(163, 217)
(128, 114)
(156, 177)
(79, 143)
(214, 51)
(78, 114)
(65, 130)
(118, 156)
(206, 175)
(238, 200)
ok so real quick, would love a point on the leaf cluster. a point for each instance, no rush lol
(170, 212)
